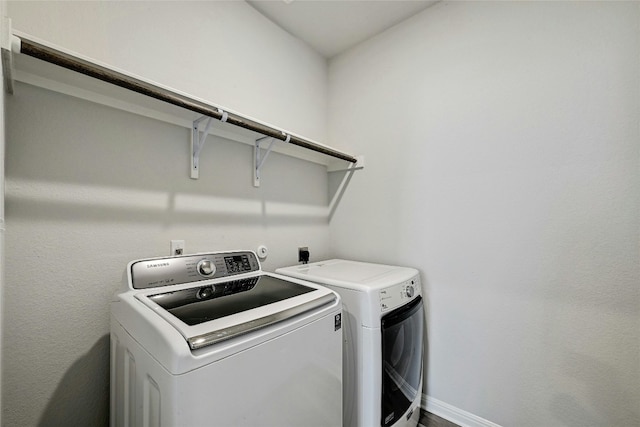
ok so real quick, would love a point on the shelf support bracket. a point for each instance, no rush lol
(9, 44)
(259, 158)
(198, 139)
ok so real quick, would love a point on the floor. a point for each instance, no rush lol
(427, 419)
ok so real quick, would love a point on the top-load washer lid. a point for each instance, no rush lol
(213, 297)
(202, 304)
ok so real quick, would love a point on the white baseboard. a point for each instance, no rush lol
(453, 414)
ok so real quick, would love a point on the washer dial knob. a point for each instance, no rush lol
(410, 291)
(206, 268)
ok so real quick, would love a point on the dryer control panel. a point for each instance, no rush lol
(169, 271)
(400, 294)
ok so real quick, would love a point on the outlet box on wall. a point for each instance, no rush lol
(177, 247)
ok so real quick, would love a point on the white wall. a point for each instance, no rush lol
(90, 188)
(502, 147)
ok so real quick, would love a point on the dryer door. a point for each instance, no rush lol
(402, 336)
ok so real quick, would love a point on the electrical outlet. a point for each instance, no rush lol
(177, 247)
(303, 254)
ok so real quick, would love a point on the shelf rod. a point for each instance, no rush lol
(74, 63)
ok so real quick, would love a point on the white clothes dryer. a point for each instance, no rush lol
(383, 330)
(211, 340)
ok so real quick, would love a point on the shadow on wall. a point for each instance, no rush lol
(79, 398)
(338, 183)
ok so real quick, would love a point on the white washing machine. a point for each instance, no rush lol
(211, 340)
(383, 320)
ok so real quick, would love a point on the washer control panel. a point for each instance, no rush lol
(168, 271)
(400, 294)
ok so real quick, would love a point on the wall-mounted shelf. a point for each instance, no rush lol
(38, 63)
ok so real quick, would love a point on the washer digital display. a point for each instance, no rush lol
(237, 263)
